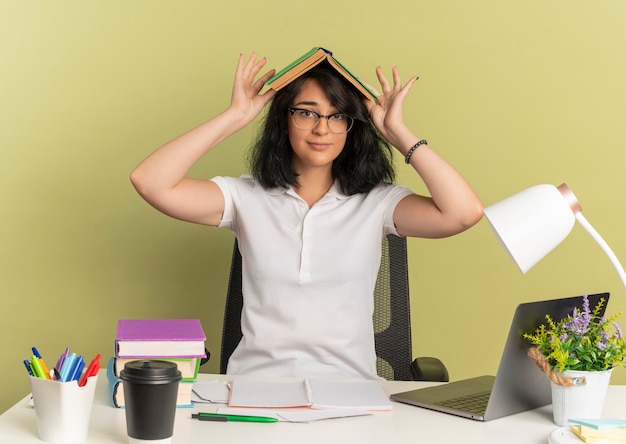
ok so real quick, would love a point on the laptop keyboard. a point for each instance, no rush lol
(475, 403)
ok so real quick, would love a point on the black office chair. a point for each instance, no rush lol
(392, 321)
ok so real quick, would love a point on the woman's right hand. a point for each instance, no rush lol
(161, 178)
(246, 98)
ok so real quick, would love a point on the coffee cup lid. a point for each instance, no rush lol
(150, 370)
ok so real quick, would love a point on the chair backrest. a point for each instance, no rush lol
(392, 322)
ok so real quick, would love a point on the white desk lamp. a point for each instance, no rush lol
(533, 222)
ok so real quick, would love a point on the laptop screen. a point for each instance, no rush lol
(519, 385)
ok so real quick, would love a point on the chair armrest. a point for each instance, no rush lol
(206, 358)
(429, 369)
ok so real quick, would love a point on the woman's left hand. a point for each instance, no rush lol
(386, 112)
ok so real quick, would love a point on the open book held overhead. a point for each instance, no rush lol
(313, 58)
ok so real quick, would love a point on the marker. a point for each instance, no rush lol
(225, 418)
(41, 361)
(74, 373)
(28, 367)
(68, 366)
(37, 369)
(62, 358)
(93, 368)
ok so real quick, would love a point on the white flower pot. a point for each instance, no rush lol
(580, 401)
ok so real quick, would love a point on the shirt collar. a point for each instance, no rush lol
(334, 193)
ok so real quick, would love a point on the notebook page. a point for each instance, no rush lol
(268, 393)
(364, 395)
(215, 391)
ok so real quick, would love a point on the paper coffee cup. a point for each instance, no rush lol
(150, 391)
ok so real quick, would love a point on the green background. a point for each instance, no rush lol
(512, 93)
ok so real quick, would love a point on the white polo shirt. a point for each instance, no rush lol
(308, 278)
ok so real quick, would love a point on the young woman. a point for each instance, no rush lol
(311, 216)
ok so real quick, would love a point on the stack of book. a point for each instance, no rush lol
(177, 340)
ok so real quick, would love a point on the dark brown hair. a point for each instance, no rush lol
(366, 159)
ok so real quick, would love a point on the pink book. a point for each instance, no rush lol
(150, 338)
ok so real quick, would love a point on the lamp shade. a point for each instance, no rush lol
(532, 223)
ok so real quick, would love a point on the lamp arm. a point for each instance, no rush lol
(605, 247)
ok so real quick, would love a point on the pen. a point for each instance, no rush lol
(225, 418)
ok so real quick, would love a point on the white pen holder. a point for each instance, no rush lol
(63, 409)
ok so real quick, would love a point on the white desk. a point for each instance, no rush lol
(404, 424)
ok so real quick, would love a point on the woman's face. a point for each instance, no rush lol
(317, 147)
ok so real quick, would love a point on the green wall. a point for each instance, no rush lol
(512, 93)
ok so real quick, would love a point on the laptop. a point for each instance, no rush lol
(518, 385)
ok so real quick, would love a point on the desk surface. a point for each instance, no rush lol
(403, 423)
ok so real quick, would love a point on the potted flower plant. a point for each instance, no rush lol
(578, 354)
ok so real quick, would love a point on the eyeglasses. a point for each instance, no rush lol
(306, 119)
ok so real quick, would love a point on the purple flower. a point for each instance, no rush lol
(618, 330)
(579, 322)
(586, 304)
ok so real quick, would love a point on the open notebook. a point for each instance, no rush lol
(313, 393)
(518, 385)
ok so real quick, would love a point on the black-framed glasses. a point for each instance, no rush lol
(306, 119)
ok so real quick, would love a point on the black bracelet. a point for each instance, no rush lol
(413, 148)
